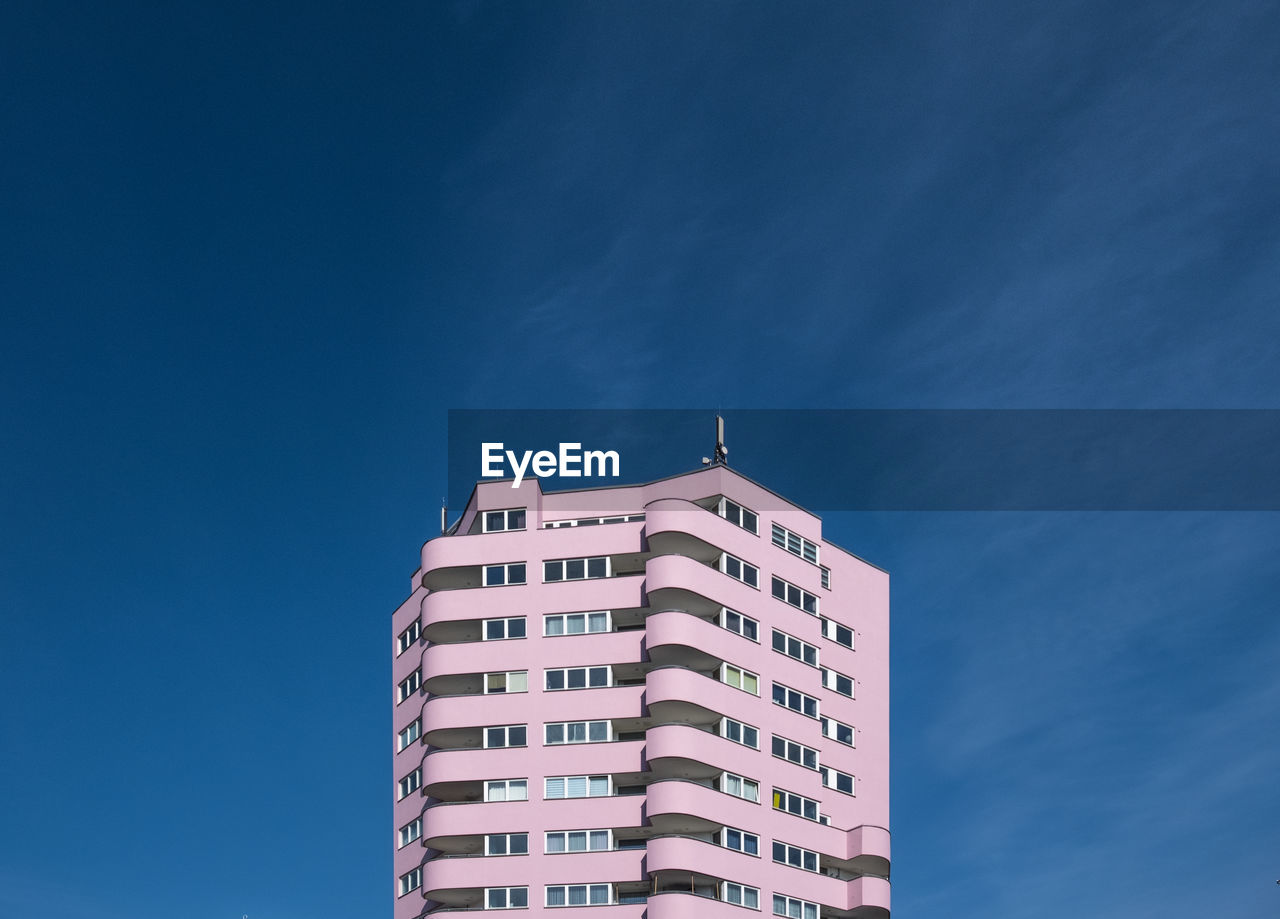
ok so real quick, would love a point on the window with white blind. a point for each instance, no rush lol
(576, 786)
(579, 841)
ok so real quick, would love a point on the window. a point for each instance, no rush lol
(795, 804)
(410, 783)
(826, 576)
(794, 647)
(837, 731)
(740, 894)
(795, 752)
(409, 637)
(410, 831)
(576, 732)
(578, 678)
(737, 515)
(576, 569)
(577, 786)
(793, 908)
(580, 841)
(795, 700)
(591, 521)
(837, 681)
(506, 897)
(840, 781)
(506, 844)
(795, 856)
(795, 544)
(507, 790)
(739, 570)
(409, 685)
(409, 734)
(741, 733)
(740, 840)
(410, 881)
(739, 787)
(510, 735)
(740, 679)
(511, 681)
(498, 521)
(510, 573)
(576, 624)
(790, 593)
(841, 634)
(736, 622)
(495, 629)
(579, 895)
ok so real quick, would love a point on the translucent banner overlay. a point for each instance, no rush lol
(910, 460)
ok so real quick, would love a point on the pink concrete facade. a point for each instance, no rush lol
(706, 768)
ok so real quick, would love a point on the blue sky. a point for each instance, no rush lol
(252, 253)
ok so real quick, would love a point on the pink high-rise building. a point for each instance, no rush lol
(668, 700)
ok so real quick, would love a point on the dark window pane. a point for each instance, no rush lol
(515, 574)
(595, 567)
(573, 569)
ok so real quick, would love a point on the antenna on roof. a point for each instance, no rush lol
(444, 518)
(721, 456)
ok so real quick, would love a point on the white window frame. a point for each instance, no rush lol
(507, 681)
(795, 752)
(800, 853)
(408, 784)
(507, 514)
(831, 680)
(727, 726)
(507, 786)
(726, 622)
(506, 843)
(745, 894)
(410, 881)
(410, 832)
(795, 596)
(586, 569)
(409, 637)
(587, 838)
(586, 617)
(797, 545)
(745, 783)
(729, 562)
(592, 521)
(506, 730)
(737, 514)
(409, 734)
(507, 569)
(794, 648)
(409, 686)
(608, 792)
(588, 891)
(796, 696)
(586, 676)
(827, 774)
(506, 893)
(743, 836)
(826, 577)
(831, 630)
(804, 909)
(506, 628)
(743, 675)
(787, 798)
(831, 729)
(569, 727)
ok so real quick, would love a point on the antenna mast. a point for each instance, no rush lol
(721, 455)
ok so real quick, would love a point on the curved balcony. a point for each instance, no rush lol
(680, 806)
(454, 721)
(685, 854)
(867, 898)
(681, 639)
(677, 582)
(685, 752)
(869, 849)
(668, 691)
(449, 770)
(675, 904)
(447, 879)
(441, 821)
(679, 527)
